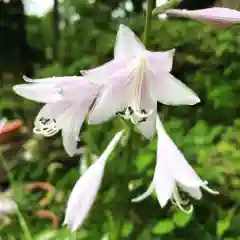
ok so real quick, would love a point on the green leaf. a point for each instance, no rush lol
(224, 224)
(143, 159)
(127, 229)
(181, 219)
(164, 227)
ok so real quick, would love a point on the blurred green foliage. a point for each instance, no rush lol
(207, 60)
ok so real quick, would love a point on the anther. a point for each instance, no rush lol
(144, 119)
(130, 110)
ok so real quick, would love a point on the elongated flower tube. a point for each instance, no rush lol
(86, 188)
(217, 16)
(172, 172)
(135, 80)
(67, 99)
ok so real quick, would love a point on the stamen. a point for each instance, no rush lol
(134, 111)
(142, 120)
(46, 126)
(130, 110)
(121, 113)
(179, 201)
(146, 194)
(208, 189)
(138, 79)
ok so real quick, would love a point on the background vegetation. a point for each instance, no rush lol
(79, 34)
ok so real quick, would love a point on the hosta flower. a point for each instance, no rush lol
(135, 80)
(172, 172)
(217, 16)
(67, 99)
(86, 188)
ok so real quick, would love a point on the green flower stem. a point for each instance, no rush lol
(22, 221)
(163, 8)
(147, 27)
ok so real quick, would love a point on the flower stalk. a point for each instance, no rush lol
(163, 8)
(147, 27)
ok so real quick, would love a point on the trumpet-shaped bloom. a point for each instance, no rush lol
(86, 188)
(135, 80)
(172, 171)
(217, 16)
(67, 99)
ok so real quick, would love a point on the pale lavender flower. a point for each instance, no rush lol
(86, 188)
(217, 16)
(67, 99)
(172, 171)
(134, 81)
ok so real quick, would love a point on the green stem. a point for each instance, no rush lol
(147, 27)
(22, 221)
(163, 8)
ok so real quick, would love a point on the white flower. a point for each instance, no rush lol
(86, 188)
(173, 171)
(217, 16)
(67, 99)
(135, 80)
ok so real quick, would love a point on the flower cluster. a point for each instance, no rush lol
(129, 86)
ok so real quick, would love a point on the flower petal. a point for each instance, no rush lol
(100, 75)
(86, 188)
(223, 17)
(51, 118)
(114, 97)
(163, 181)
(146, 194)
(193, 192)
(52, 80)
(72, 126)
(160, 61)
(168, 90)
(44, 93)
(52, 110)
(80, 90)
(54, 89)
(148, 128)
(127, 44)
(173, 160)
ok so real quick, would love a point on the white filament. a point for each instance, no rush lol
(47, 127)
(179, 201)
(134, 111)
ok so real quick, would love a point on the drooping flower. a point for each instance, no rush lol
(134, 81)
(67, 99)
(217, 16)
(86, 188)
(172, 172)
